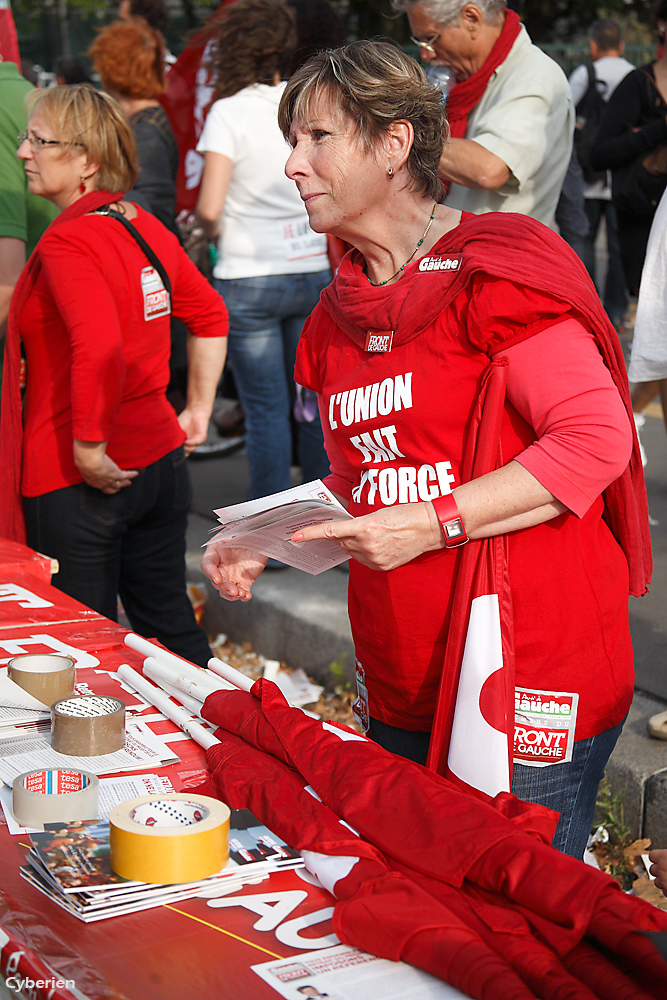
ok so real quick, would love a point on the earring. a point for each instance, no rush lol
(82, 185)
(390, 172)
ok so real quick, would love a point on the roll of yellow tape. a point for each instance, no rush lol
(169, 838)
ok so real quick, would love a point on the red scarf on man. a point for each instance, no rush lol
(465, 96)
(11, 421)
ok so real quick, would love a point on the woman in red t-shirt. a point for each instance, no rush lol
(96, 454)
(419, 320)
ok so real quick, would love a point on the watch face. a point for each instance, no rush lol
(454, 529)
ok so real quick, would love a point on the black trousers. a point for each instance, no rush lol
(132, 544)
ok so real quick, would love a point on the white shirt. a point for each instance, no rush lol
(264, 227)
(609, 70)
(526, 118)
(648, 361)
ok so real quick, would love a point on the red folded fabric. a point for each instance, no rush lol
(474, 939)
(416, 817)
(439, 839)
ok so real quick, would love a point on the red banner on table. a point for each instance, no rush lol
(25, 599)
(17, 558)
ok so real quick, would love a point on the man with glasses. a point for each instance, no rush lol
(23, 216)
(510, 110)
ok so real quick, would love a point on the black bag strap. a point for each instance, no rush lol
(152, 256)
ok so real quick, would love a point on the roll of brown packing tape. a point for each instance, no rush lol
(88, 725)
(54, 796)
(46, 676)
(169, 838)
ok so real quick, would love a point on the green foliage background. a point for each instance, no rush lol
(42, 37)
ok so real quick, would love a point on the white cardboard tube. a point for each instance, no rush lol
(156, 669)
(193, 705)
(156, 697)
(235, 677)
(146, 648)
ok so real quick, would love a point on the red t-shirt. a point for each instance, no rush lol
(97, 369)
(395, 428)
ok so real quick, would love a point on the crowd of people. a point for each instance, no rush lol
(443, 207)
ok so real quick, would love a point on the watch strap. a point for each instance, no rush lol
(451, 522)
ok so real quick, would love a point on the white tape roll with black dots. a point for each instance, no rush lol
(169, 838)
(54, 796)
(88, 725)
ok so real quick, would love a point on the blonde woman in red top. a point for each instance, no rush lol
(96, 460)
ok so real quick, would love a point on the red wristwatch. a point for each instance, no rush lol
(450, 521)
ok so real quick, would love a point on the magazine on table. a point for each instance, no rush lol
(266, 526)
(71, 863)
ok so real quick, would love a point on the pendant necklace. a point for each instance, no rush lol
(378, 284)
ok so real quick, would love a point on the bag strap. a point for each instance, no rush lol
(152, 256)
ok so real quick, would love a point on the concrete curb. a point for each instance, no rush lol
(638, 768)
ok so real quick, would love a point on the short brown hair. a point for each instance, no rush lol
(255, 40)
(82, 116)
(129, 56)
(375, 84)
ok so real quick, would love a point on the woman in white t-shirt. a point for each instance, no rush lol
(271, 266)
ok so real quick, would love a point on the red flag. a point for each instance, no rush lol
(433, 876)
(473, 725)
(9, 42)
(186, 101)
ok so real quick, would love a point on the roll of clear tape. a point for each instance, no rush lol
(54, 796)
(88, 725)
(46, 676)
(177, 837)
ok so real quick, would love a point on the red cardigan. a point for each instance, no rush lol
(97, 369)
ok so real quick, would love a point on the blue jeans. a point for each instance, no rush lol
(266, 316)
(615, 299)
(571, 789)
(131, 543)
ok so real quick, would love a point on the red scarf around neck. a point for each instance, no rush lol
(466, 95)
(11, 420)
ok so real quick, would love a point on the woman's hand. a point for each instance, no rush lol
(100, 471)
(385, 539)
(194, 421)
(232, 571)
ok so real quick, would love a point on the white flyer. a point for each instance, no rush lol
(34, 753)
(266, 525)
(344, 973)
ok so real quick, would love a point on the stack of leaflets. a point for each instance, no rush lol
(31, 750)
(266, 525)
(70, 863)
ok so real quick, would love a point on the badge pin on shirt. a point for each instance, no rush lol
(156, 296)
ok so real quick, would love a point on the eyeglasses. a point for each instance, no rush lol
(37, 143)
(428, 45)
